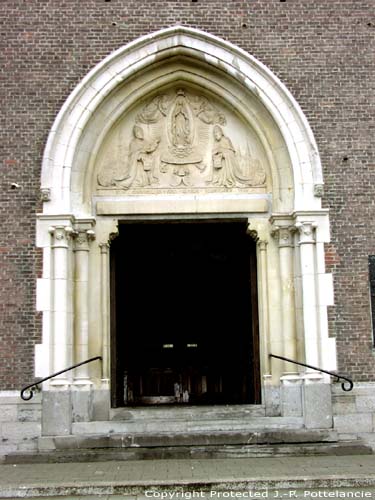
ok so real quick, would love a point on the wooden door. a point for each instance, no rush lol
(184, 315)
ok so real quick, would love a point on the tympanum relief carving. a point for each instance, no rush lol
(179, 140)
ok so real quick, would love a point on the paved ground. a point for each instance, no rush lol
(289, 477)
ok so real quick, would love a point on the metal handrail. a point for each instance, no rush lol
(33, 387)
(338, 377)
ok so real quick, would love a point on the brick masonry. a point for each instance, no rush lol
(322, 50)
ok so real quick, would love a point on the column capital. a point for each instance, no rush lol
(104, 247)
(252, 232)
(61, 235)
(306, 231)
(112, 236)
(262, 245)
(82, 238)
(284, 235)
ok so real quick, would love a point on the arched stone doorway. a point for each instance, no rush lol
(180, 125)
(185, 314)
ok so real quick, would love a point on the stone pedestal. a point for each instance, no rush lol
(57, 413)
(291, 396)
(101, 403)
(271, 397)
(82, 403)
(317, 405)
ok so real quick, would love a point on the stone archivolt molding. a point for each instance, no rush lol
(179, 140)
(64, 146)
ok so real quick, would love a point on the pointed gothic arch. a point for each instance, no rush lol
(285, 216)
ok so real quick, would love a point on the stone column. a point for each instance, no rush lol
(263, 301)
(82, 239)
(104, 291)
(284, 235)
(56, 402)
(317, 404)
(82, 401)
(291, 384)
(310, 323)
(61, 344)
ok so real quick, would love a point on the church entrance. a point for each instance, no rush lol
(184, 314)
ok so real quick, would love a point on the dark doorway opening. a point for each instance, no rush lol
(184, 314)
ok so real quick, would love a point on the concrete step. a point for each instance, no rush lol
(170, 425)
(153, 440)
(217, 412)
(189, 452)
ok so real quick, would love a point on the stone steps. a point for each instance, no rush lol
(153, 440)
(187, 412)
(189, 452)
(232, 444)
(291, 477)
(173, 425)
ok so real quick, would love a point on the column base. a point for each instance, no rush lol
(317, 403)
(271, 397)
(56, 413)
(291, 395)
(102, 401)
(82, 401)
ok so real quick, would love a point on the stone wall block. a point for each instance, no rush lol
(82, 405)
(365, 404)
(57, 413)
(272, 401)
(8, 413)
(291, 400)
(20, 431)
(32, 413)
(342, 405)
(317, 406)
(353, 423)
(101, 404)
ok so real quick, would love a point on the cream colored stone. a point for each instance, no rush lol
(325, 284)
(239, 117)
(182, 204)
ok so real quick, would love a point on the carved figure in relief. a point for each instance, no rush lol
(181, 127)
(227, 166)
(140, 169)
(224, 161)
(206, 112)
(154, 111)
(182, 153)
(171, 147)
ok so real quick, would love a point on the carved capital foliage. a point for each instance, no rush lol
(45, 194)
(61, 235)
(284, 235)
(262, 245)
(82, 238)
(252, 233)
(113, 236)
(318, 190)
(306, 232)
(104, 247)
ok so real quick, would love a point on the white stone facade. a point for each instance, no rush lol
(81, 214)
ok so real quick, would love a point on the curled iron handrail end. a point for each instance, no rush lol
(35, 386)
(29, 393)
(337, 376)
(347, 389)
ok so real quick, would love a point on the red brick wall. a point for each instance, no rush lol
(323, 50)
